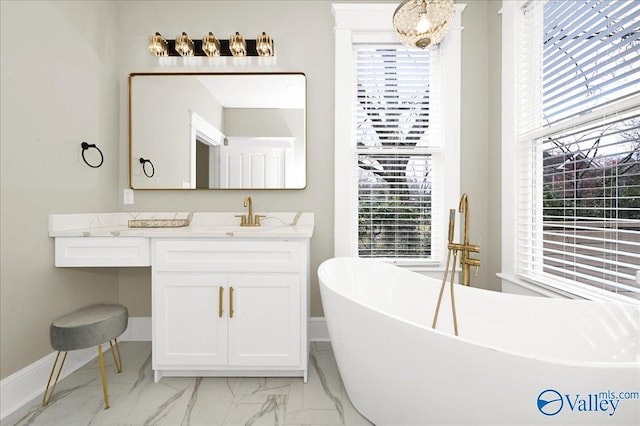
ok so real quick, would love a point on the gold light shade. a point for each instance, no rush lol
(158, 45)
(237, 45)
(210, 45)
(422, 23)
(264, 45)
(184, 45)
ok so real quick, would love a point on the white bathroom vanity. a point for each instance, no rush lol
(227, 300)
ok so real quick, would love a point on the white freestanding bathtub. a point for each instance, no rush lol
(518, 360)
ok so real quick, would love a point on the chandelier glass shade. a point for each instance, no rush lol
(422, 23)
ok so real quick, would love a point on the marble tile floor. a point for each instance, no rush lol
(136, 400)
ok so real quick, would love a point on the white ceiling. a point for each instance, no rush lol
(257, 90)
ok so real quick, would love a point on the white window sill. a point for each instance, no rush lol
(417, 266)
(567, 291)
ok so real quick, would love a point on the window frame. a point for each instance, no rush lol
(512, 21)
(431, 150)
(364, 23)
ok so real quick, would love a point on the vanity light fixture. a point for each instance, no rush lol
(264, 45)
(184, 45)
(422, 23)
(210, 45)
(237, 45)
(158, 45)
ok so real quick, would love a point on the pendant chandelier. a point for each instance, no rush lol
(422, 23)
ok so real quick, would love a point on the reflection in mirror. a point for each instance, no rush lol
(218, 131)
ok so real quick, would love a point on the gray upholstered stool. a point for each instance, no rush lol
(86, 327)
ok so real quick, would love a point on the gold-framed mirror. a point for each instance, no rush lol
(217, 130)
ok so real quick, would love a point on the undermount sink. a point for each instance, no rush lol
(230, 228)
(272, 225)
(231, 221)
(180, 225)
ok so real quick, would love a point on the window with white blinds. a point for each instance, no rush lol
(578, 171)
(395, 142)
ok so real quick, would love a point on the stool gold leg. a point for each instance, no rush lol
(117, 358)
(105, 390)
(47, 395)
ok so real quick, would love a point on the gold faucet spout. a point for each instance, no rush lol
(249, 219)
(463, 207)
(248, 203)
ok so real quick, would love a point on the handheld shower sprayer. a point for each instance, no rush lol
(465, 260)
(452, 224)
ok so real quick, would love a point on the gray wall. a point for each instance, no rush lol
(59, 88)
(480, 134)
(303, 35)
(51, 103)
(163, 114)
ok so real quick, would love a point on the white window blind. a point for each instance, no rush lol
(590, 55)
(578, 174)
(395, 141)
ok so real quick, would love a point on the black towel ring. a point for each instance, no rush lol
(86, 146)
(144, 167)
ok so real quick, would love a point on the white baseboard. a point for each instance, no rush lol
(138, 330)
(318, 331)
(24, 385)
(29, 383)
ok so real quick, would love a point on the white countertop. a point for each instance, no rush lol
(203, 225)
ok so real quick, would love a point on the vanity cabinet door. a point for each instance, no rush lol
(265, 327)
(190, 319)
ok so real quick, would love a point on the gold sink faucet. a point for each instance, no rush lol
(249, 219)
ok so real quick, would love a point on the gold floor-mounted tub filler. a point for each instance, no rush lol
(466, 261)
